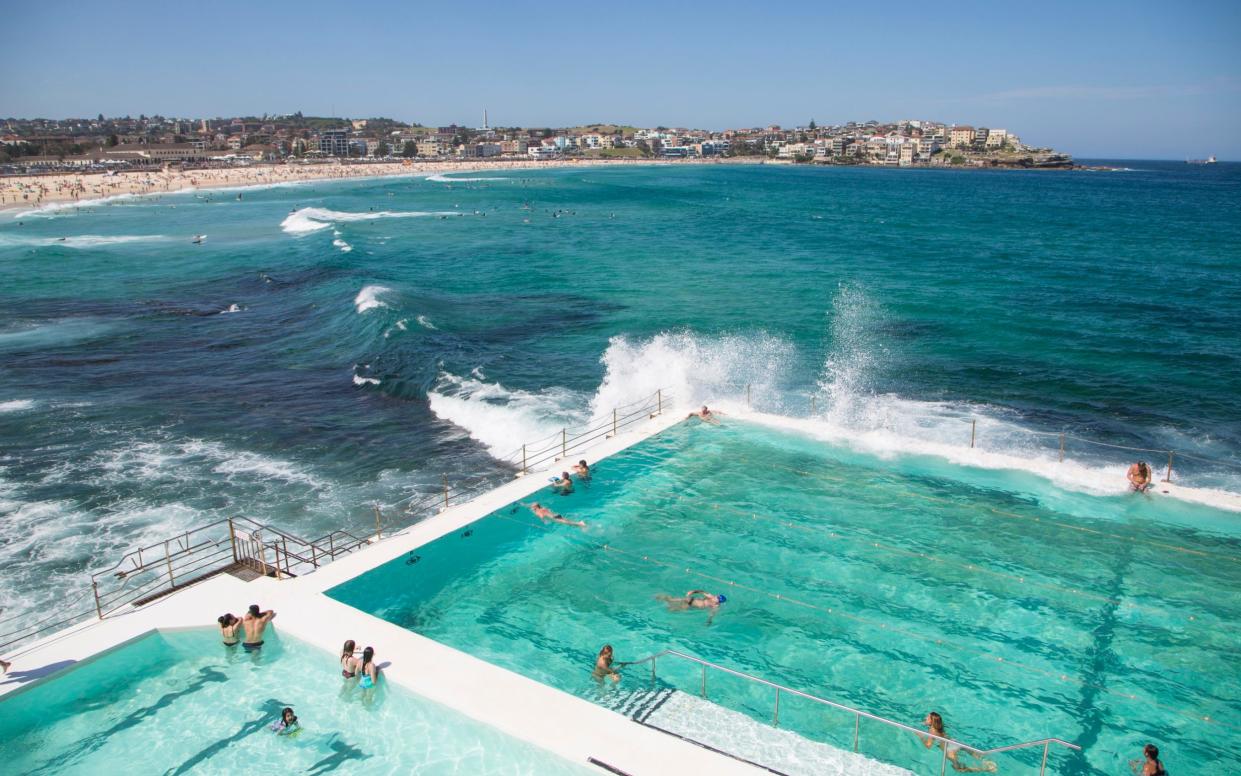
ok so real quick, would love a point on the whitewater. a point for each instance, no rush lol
(375, 341)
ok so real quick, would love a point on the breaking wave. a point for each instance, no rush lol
(368, 298)
(312, 219)
(444, 178)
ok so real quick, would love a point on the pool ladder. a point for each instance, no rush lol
(945, 743)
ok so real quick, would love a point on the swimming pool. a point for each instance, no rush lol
(180, 702)
(1017, 610)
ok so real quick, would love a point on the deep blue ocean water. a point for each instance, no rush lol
(387, 332)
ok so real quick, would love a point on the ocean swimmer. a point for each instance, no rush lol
(935, 726)
(254, 623)
(694, 599)
(348, 663)
(705, 415)
(229, 625)
(546, 515)
(563, 485)
(1139, 477)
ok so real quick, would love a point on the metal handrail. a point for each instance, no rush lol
(165, 566)
(858, 714)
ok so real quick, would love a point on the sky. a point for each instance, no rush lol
(1136, 79)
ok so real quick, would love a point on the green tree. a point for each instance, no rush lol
(112, 140)
(382, 149)
(813, 126)
(410, 150)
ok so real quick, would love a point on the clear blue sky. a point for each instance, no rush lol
(1132, 79)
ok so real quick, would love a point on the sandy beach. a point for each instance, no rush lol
(32, 191)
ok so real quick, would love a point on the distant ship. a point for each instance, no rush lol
(1208, 160)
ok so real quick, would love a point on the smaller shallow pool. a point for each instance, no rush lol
(181, 702)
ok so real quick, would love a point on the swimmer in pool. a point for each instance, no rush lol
(705, 415)
(1139, 477)
(349, 665)
(582, 470)
(229, 625)
(564, 485)
(288, 724)
(694, 599)
(935, 726)
(254, 623)
(368, 669)
(603, 666)
(545, 514)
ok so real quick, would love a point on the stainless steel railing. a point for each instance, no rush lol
(858, 714)
(149, 572)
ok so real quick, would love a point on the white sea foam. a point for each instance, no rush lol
(425, 322)
(368, 298)
(312, 219)
(344, 246)
(16, 405)
(444, 178)
(232, 308)
(79, 241)
(360, 380)
(53, 333)
(56, 208)
(501, 418)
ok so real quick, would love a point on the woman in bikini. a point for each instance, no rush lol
(229, 625)
(348, 663)
(935, 725)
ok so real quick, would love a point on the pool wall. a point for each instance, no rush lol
(546, 717)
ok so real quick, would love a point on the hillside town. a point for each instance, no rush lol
(149, 142)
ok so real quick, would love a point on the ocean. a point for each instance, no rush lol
(332, 345)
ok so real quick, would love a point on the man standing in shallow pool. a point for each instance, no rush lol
(254, 623)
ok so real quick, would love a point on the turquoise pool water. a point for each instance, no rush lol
(181, 702)
(1017, 610)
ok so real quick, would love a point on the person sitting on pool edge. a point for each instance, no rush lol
(254, 623)
(1139, 477)
(705, 415)
(582, 470)
(603, 666)
(563, 485)
(545, 514)
(935, 726)
(694, 599)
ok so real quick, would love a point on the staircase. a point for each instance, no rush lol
(737, 735)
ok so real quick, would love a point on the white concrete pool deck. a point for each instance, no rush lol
(554, 720)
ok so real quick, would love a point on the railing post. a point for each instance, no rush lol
(232, 539)
(973, 428)
(654, 660)
(659, 401)
(776, 720)
(704, 681)
(444, 479)
(613, 421)
(747, 396)
(1061, 447)
(378, 526)
(523, 459)
(168, 560)
(331, 543)
(1043, 768)
(813, 408)
(94, 586)
(314, 556)
(1168, 477)
(857, 725)
(943, 763)
(564, 441)
(285, 543)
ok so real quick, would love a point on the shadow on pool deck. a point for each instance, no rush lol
(29, 675)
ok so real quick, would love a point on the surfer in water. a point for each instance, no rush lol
(546, 515)
(1139, 477)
